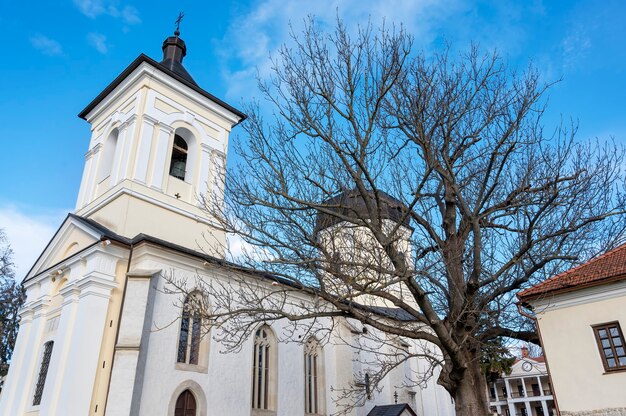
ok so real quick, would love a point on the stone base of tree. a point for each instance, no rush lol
(621, 411)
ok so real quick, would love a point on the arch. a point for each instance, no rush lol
(198, 394)
(190, 337)
(183, 155)
(108, 154)
(185, 404)
(314, 398)
(264, 370)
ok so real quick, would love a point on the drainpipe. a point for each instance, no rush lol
(545, 356)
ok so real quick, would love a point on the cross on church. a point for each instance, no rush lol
(177, 22)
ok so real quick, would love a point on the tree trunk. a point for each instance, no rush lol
(470, 398)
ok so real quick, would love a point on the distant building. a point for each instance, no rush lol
(526, 391)
(580, 314)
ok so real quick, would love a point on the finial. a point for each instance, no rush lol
(178, 20)
(395, 396)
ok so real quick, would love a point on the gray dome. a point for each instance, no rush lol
(352, 204)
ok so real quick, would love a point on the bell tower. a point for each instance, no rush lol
(158, 146)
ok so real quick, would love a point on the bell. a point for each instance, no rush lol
(178, 169)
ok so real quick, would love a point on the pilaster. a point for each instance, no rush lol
(144, 149)
(160, 159)
(84, 342)
(127, 373)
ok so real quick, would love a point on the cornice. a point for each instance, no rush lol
(579, 297)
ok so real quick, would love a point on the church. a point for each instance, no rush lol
(100, 334)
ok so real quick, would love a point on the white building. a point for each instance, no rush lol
(525, 391)
(581, 314)
(98, 334)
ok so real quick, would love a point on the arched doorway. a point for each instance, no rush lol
(185, 404)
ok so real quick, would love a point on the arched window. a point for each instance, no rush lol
(108, 154)
(43, 372)
(185, 404)
(264, 369)
(313, 377)
(178, 165)
(190, 331)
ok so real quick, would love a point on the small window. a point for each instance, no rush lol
(190, 332)
(185, 404)
(43, 372)
(263, 369)
(178, 165)
(611, 345)
(313, 389)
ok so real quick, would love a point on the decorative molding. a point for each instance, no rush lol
(147, 70)
(580, 297)
(93, 150)
(126, 191)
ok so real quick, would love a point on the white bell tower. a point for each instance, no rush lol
(158, 144)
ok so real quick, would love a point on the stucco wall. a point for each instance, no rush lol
(578, 375)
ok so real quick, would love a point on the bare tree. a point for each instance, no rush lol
(413, 195)
(11, 299)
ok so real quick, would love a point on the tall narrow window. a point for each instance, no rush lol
(190, 332)
(178, 165)
(43, 372)
(185, 404)
(313, 376)
(611, 344)
(263, 369)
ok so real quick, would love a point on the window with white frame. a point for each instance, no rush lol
(264, 369)
(313, 377)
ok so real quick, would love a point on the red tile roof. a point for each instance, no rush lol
(608, 267)
(540, 359)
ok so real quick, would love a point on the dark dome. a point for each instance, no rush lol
(352, 204)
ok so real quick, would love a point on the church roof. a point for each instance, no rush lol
(173, 51)
(391, 410)
(352, 204)
(105, 233)
(608, 267)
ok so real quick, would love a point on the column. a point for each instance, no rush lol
(127, 376)
(123, 151)
(20, 387)
(510, 403)
(21, 353)
(544, 406)
(84, 346)
(144, 148)
(85, 194)
(205, 172)
(160, 158)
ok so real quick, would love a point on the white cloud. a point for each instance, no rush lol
(95, 8)
(98, 41)
(28, 235)
(251, 39)
(239, 250)
(46, 45)
(130, 15)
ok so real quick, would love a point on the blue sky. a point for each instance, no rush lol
(59, 55)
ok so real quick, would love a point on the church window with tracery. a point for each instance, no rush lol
(263, 369)
(43, 372)
(190, 332)
(185, 404)
(178, 165)
(313, 389)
